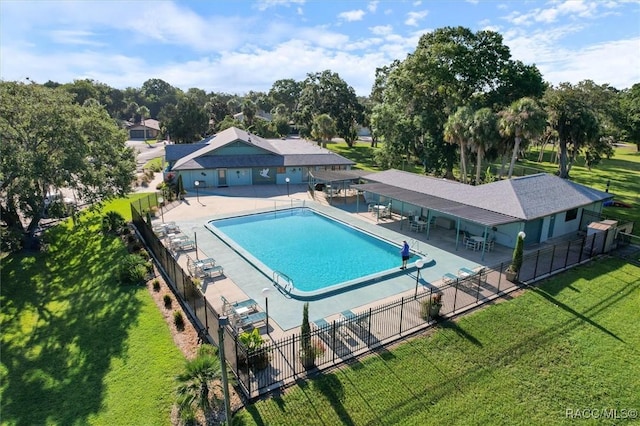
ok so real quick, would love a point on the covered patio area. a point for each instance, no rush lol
(468, 227)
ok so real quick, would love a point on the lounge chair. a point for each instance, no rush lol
(185, 245)
(242, 306)
(465, 273)
(205, 267)
(449, 278)
(244, 321)
(359, 320)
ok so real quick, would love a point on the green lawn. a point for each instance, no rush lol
(78, 348)
(573, 343)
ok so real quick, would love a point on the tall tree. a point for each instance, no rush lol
(156, 93)
(523, 119)
(286, 92)
(188, 121)
(324, 128)
(574, 120)
(630, 105)
(452, 67)
(326, 93)
(143, 111)
(457, 131)
(217, 109)
(249, 111)
(50, 142)
(484, 134)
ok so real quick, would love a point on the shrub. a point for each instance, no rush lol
(133, 270)
(167, 301)
(518, 254)
(156, 285)
(145, 255)
(178, 320)
(113, 223)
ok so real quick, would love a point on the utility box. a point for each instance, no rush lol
(604, 236)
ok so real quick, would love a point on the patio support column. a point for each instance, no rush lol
(429, 215)
(457, 232)
(484, 246)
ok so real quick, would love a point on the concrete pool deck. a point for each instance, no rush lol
(241, 280)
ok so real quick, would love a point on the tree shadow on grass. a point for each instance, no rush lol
(65, 317)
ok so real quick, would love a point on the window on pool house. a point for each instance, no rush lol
(571, 215)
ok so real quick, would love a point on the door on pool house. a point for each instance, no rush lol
(222, 177)
(533, 230)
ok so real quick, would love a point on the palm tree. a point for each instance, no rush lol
(194, 383)
(144, 113)
(249, 111)
(324, 128)
(484, 133)
(456, 131)
(523, 119)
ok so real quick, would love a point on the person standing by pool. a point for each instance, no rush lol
(405, 254)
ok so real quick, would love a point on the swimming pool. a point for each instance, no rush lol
(318, 255)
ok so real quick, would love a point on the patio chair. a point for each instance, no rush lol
(489, 244)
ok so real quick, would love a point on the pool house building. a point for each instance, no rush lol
(234, 157)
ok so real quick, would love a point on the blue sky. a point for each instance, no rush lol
(237, 46)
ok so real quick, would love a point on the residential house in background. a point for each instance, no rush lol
(137, 131)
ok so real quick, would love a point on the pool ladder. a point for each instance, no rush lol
(415, 245)
(288, 282)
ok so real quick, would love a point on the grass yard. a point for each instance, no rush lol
(78, 348)
(571, 344)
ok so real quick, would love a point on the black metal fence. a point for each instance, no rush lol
(278, 363)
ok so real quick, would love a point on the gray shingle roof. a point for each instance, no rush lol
(284, 153)
(527, 198)
(438, 204)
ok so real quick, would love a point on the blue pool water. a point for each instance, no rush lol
(314, 251)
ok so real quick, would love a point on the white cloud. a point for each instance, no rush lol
(352, 15)
(266, 4)
(414, 17)
(417, 2)
(75, 37)
(569, 8)
(373, 6)
(381, 29)
(596, 62)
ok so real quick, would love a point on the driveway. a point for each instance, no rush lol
(145, 152)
